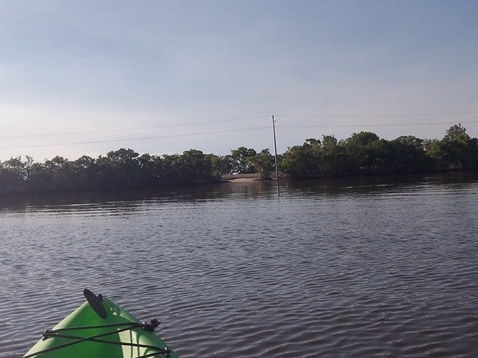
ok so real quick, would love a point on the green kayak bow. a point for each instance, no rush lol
(98, 329)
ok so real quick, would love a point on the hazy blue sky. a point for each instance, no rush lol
(162, 77)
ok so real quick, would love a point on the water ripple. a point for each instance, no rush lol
(378, 271)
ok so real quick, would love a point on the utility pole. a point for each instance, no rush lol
(275, 148)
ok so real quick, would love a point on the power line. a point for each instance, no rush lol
(132, 139)
(236, 130)
(435, 114)
(282, 116)
(373, 125)
(130, 129)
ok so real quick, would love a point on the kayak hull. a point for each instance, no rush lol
(84, 333)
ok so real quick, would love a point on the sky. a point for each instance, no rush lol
(162, 77)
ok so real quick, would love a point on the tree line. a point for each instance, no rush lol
(366, 153)
(361, 153)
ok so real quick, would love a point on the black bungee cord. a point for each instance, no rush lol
(164, 351)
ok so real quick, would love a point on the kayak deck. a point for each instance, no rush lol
(100, 328)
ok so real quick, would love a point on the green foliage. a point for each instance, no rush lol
(240, 161)
(263, 162)
(455, 151)
(362, 153)
(120, 169)
(303, 161)
(361, 150)
(12, 174)
(366, 153)
(457, 133)
(333, 156)
(409, 155)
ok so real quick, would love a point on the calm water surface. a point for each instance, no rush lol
(326, 269)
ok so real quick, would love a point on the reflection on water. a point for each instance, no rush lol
(370, 267)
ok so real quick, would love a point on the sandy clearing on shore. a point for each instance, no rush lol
(241, 178)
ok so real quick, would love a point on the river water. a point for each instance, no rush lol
(376, 267)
